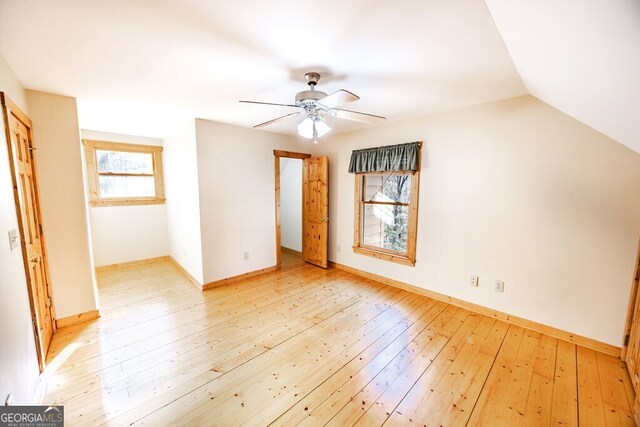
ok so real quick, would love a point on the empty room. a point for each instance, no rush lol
(218, 213)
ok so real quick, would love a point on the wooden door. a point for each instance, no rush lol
(19, 139)
(631, 350)
(315, 210)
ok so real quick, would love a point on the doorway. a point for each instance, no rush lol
(291, 206)
(314, 206)
(27, 201)
(288, 191)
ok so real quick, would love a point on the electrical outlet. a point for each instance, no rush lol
(473, 280)
(499, 286)
(246, 255)
(337, 248)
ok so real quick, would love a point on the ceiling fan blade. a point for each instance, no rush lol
(276, 120)
(338, 98)
(358, 117)
(269, 103)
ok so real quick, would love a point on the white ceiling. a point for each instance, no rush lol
(581, 56)
(144, 66)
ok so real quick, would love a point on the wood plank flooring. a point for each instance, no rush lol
(307, 346)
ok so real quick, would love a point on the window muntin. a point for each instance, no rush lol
(124, 174)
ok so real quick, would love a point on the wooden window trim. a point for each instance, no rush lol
(93, 176)
(412, 223)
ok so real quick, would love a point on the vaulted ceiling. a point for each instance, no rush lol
(145, 66)
(582, 57)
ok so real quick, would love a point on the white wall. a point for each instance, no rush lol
(179, 158)
(237, 199)
(291, 203)
(585, 62)
(127, 233)
(63, 202)
(517, 191)
(18, 359)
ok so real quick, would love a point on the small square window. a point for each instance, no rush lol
(124, 174)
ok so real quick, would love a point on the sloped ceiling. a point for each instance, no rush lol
(582, 57)
(145, 66)
(141, 66)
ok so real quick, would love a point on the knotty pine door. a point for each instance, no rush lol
(23, 168)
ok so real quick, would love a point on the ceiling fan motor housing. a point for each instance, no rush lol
(309, 95)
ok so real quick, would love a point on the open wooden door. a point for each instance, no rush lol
(315, 210)
(631, 349)
(25, 185)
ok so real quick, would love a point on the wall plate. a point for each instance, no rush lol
(14, 239)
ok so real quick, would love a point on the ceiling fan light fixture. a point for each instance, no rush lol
(322, 127)
(313, 128)
(305, 128)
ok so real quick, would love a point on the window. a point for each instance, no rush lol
(386, 215)
(124, 174)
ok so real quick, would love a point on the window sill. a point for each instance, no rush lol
(399, 259)
(127, 202)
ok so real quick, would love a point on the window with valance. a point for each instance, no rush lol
(386, 201)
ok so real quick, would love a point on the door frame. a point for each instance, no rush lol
(292, 155)
(632, 306)
(9, 108)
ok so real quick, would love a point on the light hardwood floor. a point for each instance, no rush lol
(313, 347)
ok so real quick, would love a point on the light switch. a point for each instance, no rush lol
(14, 239)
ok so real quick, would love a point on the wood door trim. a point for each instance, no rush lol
(11, 109)
(8, 103)
(633, 297)
(277, 155)
(291, 154)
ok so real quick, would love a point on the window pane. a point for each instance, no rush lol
(124, 162)
(385, 226)
(127, 186)
(387, 188)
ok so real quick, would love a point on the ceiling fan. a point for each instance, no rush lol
(316, 106)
